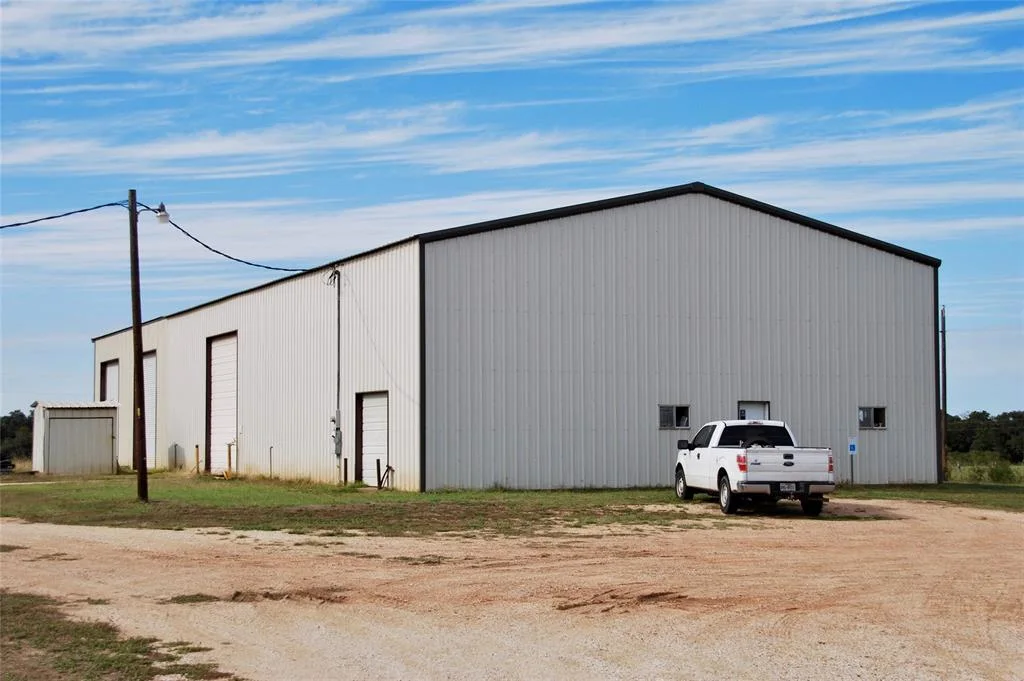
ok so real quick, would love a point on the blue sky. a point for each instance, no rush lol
(297, 133)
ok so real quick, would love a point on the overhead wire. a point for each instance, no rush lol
(167, 218)
(63, 215)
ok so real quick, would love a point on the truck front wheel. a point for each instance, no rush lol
(811, 507)
(683, 491)
(726, 499)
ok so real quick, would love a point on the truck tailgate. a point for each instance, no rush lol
(788, 464)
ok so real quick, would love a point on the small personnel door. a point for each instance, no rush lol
(698, 460)
(753, 411)
(373, 436)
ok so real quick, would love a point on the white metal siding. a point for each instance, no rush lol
(149, 382)
(550, 346)
(119, 347)
(39, 439)
(287, 367)
(223, 401)
(76, 440)
(374, 436)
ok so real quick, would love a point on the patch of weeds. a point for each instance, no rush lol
(429, 559)
(41, 642)
(59, 555)
(95, 601)
(317, 594)
(190, 598)
(358, 554)
(6, 548)
(184, 647)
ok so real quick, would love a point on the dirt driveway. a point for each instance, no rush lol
(928, 592)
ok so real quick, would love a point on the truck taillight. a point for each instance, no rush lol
(831, 467)
(741, 462)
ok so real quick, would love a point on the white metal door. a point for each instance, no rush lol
(756, 411)
(110, 382)
(149, 396)
(374, 435)
(80, 446)
(223, 402)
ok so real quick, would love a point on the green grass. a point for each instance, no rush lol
(1003, 497)
(307, 508)
(40, 643)
(319, 509)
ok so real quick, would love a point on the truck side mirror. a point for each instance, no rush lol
(682, 444)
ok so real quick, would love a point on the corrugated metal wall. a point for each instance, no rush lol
(119, 347)
(287, 368)
(550, 346)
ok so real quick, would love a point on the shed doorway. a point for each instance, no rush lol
(221, 402)
(371, 436)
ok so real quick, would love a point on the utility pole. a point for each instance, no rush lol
(139, 403)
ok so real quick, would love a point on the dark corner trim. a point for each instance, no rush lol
(423, 369)
(939, 416)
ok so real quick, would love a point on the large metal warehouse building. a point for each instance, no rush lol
(566, 348)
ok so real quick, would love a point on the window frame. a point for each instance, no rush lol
(874, 423)
(675, 416)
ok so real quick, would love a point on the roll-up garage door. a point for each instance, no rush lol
(149, 395)
(373, 436)
(108, 382)
(223, 418)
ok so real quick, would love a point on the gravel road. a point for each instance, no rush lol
(909, 591)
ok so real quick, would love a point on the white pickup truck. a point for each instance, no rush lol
(753, 460)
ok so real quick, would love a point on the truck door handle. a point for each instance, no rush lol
(698, 455)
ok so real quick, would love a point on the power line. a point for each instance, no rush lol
(63, 215)
(162, 213)
(231, 257)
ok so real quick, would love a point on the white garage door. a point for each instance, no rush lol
(80, 446)
(223, 402)
(109, 382)
(374, 436)
(149, 396)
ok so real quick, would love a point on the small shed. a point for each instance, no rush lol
(74, 438)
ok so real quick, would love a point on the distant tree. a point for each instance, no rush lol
(15, 435)
(979, 431)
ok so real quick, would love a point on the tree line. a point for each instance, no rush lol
(16, 436)
(979, 431)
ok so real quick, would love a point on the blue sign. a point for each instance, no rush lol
(853, 446)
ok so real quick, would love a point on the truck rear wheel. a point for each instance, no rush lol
(726, 499)
(811, 507)
(683, 491)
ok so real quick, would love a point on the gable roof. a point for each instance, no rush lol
(580, 209)
(670, 192)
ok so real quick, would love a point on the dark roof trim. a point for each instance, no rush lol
(670, 192)
(580, 209)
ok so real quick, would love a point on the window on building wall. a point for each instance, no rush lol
(673, 417)
(871, 417)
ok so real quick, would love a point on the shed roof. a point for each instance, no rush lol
(75, 405)
(590, 207)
